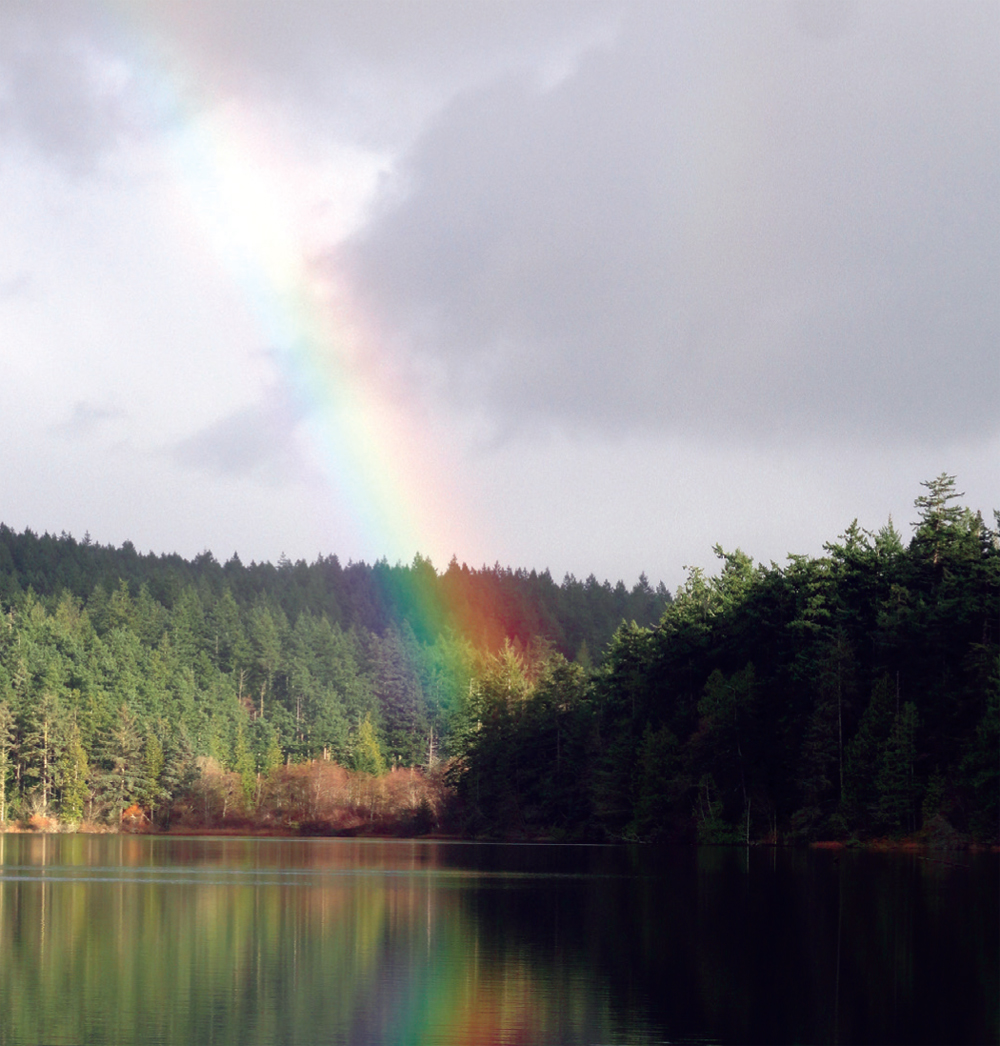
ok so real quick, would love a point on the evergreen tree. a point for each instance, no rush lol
(726, 744)
(400, 698)
(660, 786)
(180, 771)
(821, 777)
(859, 806)
(896, 786)
(665, 736)
(939, 528)
(266, 747)
(121, 608)
(72, 775)
(368, 756)
(245, 765)
(122, 779)
(231, 651)
(6, 749)
(40, 749)
(266, 642)
(153, 792)
(980, 768)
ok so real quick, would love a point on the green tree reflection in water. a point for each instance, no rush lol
(124, 939)
(109, 939)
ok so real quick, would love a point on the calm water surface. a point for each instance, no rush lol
(121, 939)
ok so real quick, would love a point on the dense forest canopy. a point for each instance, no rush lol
(119, 670)
(487, 606)
(854, 694)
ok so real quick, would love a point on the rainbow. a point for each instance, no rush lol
(380, 458)
(382, 465)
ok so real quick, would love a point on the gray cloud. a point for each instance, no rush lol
(87, 419)
(59, 88)
(755, 221)
(637, 245)
(752, 219)
(374, 69)
(255, 442)
(77, 77)
(16, 286)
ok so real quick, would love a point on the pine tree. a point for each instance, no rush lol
(863, 755)
(245, 765)
(6, 747)
(939, 525)
(895, 785)
(180, 771)
(40, 749)
(122, 779)
(368, 756)
(400, 697)
(152, 791)
(72, 773)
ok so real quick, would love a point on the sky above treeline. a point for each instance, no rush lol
(579, 286)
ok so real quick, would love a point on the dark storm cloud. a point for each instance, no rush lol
(700, 217)
(758, 220)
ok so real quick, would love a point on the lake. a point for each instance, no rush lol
(127, 939)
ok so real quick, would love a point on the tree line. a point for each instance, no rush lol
(126, 678)
(486, 605)
(850, 695)
(853, 694)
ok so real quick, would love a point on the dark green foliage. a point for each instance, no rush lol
(180, 770)
(860, 799)
(120, 670)
(41, 743)
(895, 785)
(727, 747)
(711, 826)
(980, 767)
(660, 786)
(400, 698)
(121, 779)
(195, 600)
(791, 746)
(853, 694)
(72, 775)
(524, 733)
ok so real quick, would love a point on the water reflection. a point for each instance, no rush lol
(163, 940)
(128, 939)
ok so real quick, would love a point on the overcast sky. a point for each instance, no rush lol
(579, 286)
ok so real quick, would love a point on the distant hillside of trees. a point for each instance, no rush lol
(123, 676)
(487, 606)
(850, 695)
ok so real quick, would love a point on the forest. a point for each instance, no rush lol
(849, 696)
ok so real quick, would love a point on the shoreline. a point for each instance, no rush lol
(908, 844)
